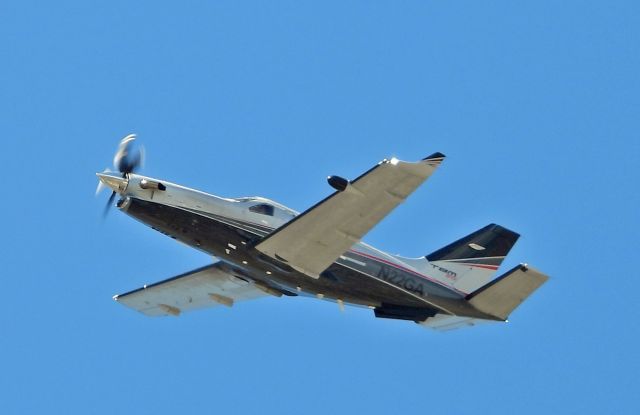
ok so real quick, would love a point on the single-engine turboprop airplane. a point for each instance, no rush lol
(265, 248)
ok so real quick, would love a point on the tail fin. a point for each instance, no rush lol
(502, 295)
(469, 263)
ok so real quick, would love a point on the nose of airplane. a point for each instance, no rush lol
(114, 181)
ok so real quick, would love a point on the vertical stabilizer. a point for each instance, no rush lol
(469, 263)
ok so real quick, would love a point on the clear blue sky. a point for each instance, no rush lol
(535, 104)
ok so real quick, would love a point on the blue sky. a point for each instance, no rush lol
(535, 104)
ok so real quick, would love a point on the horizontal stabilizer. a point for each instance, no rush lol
(502, 295)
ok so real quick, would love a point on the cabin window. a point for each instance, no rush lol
(262, 209)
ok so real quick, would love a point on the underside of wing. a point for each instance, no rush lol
(205, 287)
(313, 240)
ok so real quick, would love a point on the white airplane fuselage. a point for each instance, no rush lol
(228, 229)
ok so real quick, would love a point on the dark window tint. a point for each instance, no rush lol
(263, 209)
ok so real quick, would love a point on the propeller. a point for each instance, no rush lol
(128, 159)
(109, 204)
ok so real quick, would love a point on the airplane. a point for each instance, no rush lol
(264, 248)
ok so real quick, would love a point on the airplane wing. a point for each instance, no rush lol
(313, 240)
(201, 288)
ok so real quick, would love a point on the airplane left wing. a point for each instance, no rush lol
(204, 287)
(313, 240)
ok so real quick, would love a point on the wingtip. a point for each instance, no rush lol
(434, 160)
(434, 156)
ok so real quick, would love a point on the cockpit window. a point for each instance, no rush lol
(262, 209)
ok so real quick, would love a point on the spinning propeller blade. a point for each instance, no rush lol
(108, 205)
(128, 159)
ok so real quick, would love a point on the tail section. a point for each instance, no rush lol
(469, 263)
(502, 295)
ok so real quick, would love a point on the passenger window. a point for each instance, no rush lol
(262, 209)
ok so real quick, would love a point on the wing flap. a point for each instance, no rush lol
(205, 287)
(444, 322)
(313, 240)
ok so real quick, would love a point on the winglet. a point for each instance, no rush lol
(436, 155)
(434, 159)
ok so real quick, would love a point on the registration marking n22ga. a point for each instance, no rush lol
(402, 280)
